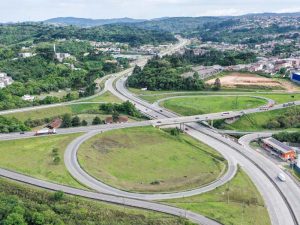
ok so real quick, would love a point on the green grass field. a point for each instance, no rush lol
(197, 105)
(256, 121)
(54, 111)
(34, 157)
(235, 203)
(106, 97)
(150, 160)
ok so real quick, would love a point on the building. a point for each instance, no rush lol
(284, 151)
(62, 56)
(297, 166)
(5, 80)
(295, 77)
(25, 54)
(28, 98)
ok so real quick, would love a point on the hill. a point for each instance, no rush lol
(84, 22)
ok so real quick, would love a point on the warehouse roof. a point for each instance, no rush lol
(277, 145)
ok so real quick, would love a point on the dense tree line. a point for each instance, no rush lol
(21, 205)
(38, 32)
(292, 137)
(8, 125)
(42, 74)
(125, 107)
(165, 73)
(289, 119)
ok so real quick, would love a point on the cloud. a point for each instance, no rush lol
(21, 10)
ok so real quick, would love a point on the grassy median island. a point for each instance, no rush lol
(285, 118)
(40, 157)
(197, 105)
(36, 206)
(235, 203)
(147, 159)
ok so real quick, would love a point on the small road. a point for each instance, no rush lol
(158, 207)
(83, 177)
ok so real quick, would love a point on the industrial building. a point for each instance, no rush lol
(295, 77)
(284, 151)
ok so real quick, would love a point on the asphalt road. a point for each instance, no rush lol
(110, 198)
(83, 177)
(278, 202)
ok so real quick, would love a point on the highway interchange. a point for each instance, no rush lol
(282, 199)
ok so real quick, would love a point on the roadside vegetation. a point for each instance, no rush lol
(165, 73)
(147, 159)
(277, 119)
(23, 205)
(196, 105)
(237, 202)
(82, 113)
(40, 157)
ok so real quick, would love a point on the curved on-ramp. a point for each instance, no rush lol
(83, 177)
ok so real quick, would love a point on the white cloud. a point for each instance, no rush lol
(20, 10)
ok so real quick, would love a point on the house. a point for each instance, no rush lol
(5, 80)
(28, 98)
(62, 56)
(25, 54)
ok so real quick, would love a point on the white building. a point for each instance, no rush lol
(25, 54)
(62, 56)
(28, 98)
(5, 80)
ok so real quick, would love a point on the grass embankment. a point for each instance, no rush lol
(106, 97)
(188, 106)
(34, 157)
(54, 111)
(277, 97)
(150, 160)
(235, 203)
(35, 206)
(258, 121)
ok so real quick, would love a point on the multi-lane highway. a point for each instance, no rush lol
(282, 200)
(277, 200)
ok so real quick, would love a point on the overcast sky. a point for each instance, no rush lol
(35, 10)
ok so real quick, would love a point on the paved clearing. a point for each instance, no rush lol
(149, 160)
(197, 105)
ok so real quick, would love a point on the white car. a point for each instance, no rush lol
(281, 177)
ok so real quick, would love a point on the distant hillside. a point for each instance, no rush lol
(83, 22)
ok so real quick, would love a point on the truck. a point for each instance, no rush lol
(288, 104)
(45, 131)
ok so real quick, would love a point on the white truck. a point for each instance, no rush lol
(45, 131)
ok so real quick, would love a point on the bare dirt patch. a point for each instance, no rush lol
(234, 80)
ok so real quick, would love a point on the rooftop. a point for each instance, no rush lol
(278, 145)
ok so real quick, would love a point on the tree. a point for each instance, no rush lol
(58, 195)
(217, 84)
(75, 121)
(15, 219)
(84, 123)
(66, 120)
(196, 76)
(115, 116)
(97, 121)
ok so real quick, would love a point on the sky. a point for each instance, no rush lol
(37, 10)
